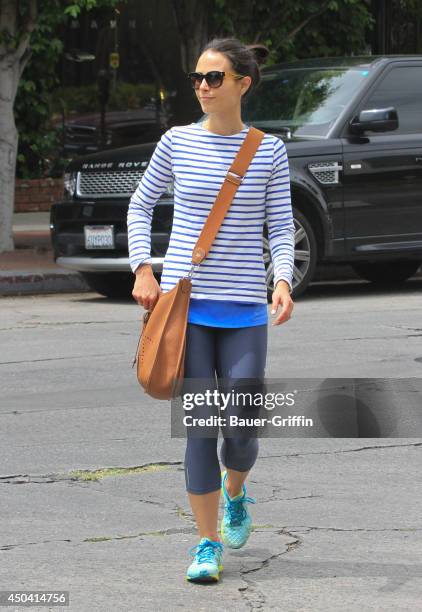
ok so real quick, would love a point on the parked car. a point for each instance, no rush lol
(353, 132)
(82, 133)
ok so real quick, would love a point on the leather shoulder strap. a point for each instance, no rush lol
(226, 194)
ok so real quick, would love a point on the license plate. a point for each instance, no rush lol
(99, 236)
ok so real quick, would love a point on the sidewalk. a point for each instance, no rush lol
(30, 268)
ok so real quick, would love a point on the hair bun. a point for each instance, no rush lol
(260, 52)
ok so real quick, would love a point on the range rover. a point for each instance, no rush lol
(353, 132)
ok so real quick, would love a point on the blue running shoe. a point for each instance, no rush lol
(207, 564)
(236, 525)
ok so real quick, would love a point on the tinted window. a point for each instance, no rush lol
(305, 100)
(401, 88)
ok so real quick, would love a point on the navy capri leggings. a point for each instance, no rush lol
(227, 353)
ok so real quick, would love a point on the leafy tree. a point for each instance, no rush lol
(296, 29)
(26, 26)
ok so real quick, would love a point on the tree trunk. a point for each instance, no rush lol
(9, 77)
(12, 63)
(192, 19)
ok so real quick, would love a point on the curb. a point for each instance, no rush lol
(30, 239)
(42, 281)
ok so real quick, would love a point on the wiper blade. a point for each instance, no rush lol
(278, 128)
(273, 127)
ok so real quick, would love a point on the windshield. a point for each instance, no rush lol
(302, 101)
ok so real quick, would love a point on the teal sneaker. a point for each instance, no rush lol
(236, 525)
(207, 564)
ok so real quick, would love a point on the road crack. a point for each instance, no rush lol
(339, 452)
(86, 475)
(254, 598)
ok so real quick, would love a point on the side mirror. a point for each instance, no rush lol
(375, 120)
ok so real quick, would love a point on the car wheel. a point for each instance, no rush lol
(305, 256)
(386, 272)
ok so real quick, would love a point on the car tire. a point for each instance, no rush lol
(305, 256)
(112, 284)
(387, 272)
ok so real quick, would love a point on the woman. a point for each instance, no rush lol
(228, 318)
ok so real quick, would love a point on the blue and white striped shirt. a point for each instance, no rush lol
(197, 160)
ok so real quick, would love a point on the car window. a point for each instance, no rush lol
(402, 88)
(305, 101)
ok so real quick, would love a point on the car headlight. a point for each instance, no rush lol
(69, 184)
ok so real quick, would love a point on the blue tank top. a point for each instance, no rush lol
(225, 313)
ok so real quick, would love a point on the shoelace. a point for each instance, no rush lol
(206, 550)
(237, 511)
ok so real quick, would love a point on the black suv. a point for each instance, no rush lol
(353, 131)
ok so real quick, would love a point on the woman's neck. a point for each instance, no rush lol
(224, 127)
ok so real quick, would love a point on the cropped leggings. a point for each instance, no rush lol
(229, 353)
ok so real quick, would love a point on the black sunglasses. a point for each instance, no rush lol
(214, 78)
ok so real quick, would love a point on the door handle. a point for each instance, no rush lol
(419, 159)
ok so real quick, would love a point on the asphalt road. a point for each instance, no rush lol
(337, 521)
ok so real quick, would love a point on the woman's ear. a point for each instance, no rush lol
(246, 83)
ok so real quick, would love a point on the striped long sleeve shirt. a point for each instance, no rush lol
(197, 160)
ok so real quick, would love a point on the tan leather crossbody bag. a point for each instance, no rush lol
(160, 353)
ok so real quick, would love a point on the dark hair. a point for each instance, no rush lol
(245, 59)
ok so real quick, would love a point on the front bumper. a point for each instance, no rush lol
(67, 221)
(104, 264)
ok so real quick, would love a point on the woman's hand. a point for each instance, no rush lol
(281, 296)
(146, 290)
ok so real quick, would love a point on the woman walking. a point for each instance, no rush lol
(227, 325)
